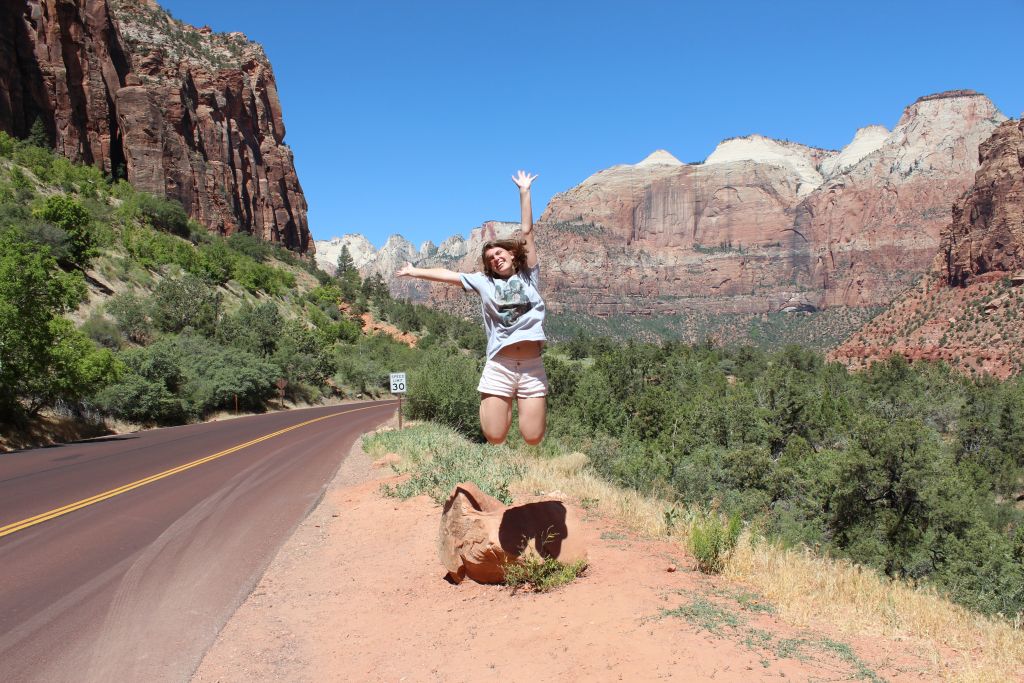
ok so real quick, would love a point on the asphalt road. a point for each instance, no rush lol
(121, 558)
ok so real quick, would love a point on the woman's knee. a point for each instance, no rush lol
(533, 439)
(495, 432)
(533, 420)
(495, 418)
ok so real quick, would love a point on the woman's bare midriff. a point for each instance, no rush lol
(522, 350)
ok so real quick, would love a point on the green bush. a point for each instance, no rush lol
(73, 219)
(185, 303)
(712, 538)
(102, 331)
(184, 377)
(442, 388)
(44, 358)
(165, 215)
(438, 458)
(132, 316)
(541, 575)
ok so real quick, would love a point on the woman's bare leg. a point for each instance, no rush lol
(495, 417)
(533, 415)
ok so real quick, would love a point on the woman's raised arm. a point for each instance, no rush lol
(449, 277)
(524, 180)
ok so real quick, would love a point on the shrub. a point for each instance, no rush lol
(541, 575)
(711, 539)
(72, 218)
(248, 245)
(185, 303)
(166, 215)
(132, 316)
(442, 388)
(102, 331)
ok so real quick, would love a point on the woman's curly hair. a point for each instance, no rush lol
(513, 246)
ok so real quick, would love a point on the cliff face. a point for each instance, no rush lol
(966, 311)
(763, 223)
(874, 228)
(987, 231)
(180, 111)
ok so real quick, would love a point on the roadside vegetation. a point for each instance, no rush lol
(795, 581)
(114, 305)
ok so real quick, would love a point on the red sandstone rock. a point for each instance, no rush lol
(761, 226)
(987, 230)
(972, 271)
(479, 535)
(185, 113)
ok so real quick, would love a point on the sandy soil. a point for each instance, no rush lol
(358, 594)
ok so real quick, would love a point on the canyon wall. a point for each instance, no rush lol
(179, 111)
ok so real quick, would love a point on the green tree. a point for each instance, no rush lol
(253, 328)
(42, 357)
(345, 263)
(38, 136)
(71, 217)
(185, 303)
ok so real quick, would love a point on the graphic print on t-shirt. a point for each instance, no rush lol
(511, 299)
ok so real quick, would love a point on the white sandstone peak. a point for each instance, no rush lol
(865, 141)
(763, 150)
(933, 130)
(660, 157)
(359, 248)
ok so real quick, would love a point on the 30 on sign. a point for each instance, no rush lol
(397, 382)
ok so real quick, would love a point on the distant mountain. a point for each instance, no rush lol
(762, 227)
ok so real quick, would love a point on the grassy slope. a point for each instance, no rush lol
(803, 588)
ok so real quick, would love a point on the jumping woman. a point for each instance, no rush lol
(513, 313)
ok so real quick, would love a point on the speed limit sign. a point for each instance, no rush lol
(397, 382)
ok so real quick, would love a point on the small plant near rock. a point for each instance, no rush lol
(539, 575)
(712, 537)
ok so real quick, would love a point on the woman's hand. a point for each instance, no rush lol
(405, 271)
(523, 179)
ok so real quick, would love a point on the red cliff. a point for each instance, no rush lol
(180, 111)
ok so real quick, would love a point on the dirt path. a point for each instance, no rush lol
(357, 594)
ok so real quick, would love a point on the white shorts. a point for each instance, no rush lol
(514, 378)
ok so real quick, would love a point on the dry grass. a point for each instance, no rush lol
(807, 589)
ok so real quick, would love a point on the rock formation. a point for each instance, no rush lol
(479, 535)
(966, 310)
(762, 226)
(987, 231)
(874, 228)
(359, 248)
(179, 111)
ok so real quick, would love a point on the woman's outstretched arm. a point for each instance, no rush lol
(523, 180)
(444, 275)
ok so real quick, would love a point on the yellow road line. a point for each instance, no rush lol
(85, 502)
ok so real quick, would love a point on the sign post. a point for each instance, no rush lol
(281, 384)
(398, 387)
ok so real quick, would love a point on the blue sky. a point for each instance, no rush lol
(410, 116)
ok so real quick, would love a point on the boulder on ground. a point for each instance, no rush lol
(479, 534)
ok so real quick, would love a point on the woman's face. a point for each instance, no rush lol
(500, 261)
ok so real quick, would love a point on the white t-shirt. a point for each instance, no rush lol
(513, 309)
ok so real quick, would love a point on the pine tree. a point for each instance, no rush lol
(345, 262)
(38, 136)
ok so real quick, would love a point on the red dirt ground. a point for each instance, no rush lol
(358, 594)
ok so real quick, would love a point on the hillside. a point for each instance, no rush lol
(114, 305)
